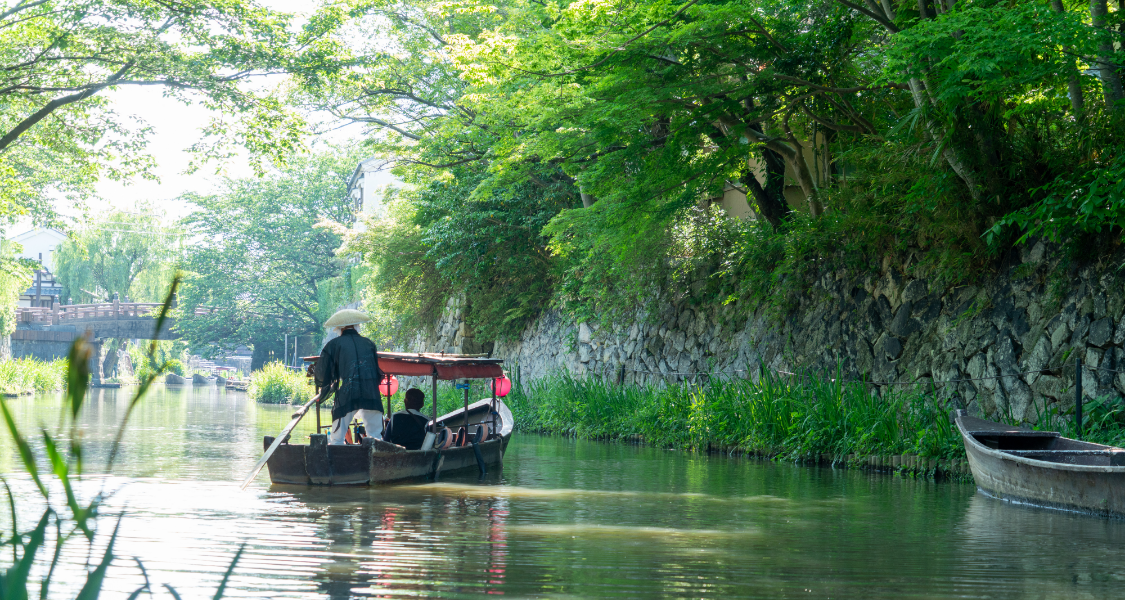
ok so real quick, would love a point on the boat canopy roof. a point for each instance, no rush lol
(444, 366)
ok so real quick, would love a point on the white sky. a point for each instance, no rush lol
(175, 128)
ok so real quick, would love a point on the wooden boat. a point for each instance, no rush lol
(487, 430)
(1043, 468)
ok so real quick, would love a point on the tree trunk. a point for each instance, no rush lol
(769, 200)
(806, 181)
(1111, 79)
(956, 162)
(1073, 85)
(588, 200)
(112, 355)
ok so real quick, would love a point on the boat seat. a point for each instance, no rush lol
(1104, 458)
(1017, 439)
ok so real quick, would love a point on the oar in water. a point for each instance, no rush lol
(297, 416)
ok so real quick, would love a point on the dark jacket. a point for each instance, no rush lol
(350, 363)
(407, 429)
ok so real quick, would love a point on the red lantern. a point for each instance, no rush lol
(501, 386)
(389, 385)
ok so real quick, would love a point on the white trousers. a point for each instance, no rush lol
(372, 421)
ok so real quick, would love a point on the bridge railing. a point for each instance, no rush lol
(107, 311)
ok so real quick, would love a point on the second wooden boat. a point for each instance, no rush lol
(1043, 468)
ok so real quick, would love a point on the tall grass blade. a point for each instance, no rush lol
(61, 470)
(226, 576)
(94, 581)
(13, 582)
(142, 389)
(26, 457)
(78, 374)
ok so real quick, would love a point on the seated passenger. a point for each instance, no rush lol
(407, 428)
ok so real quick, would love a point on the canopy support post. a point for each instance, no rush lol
(466, 413)
(433, 401)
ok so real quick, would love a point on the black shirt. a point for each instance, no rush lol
(351, 363)
(407, 429)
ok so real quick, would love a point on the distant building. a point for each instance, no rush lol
(364, 188)
(39, 245)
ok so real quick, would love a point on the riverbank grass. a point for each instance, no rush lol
(783, 416)
(30, 375)
(275, 384)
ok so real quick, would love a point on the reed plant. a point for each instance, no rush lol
(275, 384)
(791, 417)
(70, 521)
(30, 375)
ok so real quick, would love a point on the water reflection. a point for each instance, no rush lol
(563, 519)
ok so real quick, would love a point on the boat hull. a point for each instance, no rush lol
(318, 463)
(1061, 483)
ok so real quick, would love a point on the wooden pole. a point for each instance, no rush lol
(433, 401)
(297, 416)
(466, 413)
(492, 411)
(1078, 395)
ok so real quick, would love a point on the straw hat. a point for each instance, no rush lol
(348, 316)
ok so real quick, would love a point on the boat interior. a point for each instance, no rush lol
(1047, 446)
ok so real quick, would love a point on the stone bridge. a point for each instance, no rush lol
(131, 320)
(47, 333)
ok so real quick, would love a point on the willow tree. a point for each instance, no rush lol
(123, 255)
(128, 255)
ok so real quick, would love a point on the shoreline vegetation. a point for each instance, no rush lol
(799, 419)
(22, 376)
(275, 384)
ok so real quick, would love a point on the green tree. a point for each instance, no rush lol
(128, 255)
(15, 276)
(432, 244)
(58, 133)
(262, 250)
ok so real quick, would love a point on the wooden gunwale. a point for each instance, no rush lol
(1014, 475)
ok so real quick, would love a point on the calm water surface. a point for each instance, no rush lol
(564, 519)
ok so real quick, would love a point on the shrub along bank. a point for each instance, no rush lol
(793, 418)
(275, 384)
(30, 375)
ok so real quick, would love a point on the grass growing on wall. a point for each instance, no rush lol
(274, 384)
(775, 415)
(30, 375)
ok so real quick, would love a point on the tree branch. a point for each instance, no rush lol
(57, 103)
(20, 7)
(891, 27)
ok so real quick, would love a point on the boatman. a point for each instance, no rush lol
(407, 428)
(349, 365)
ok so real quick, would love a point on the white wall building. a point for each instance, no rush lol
(39, 244)
(365, 188)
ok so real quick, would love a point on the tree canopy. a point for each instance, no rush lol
(944, 129)
(262, 251)
(59, 134)
(131, 254)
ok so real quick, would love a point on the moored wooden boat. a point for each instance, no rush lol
(375, 461)
(1043, 468)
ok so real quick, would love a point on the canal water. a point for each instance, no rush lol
(564, 519)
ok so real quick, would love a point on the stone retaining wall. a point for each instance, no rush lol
(1017, 337)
